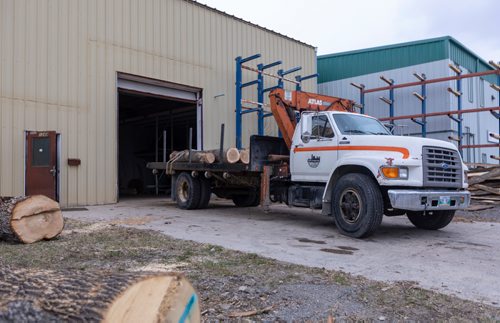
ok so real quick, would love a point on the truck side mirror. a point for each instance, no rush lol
(389, 127)
(306, 127)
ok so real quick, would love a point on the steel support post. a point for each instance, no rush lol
(239, 86)
(260, 99)
(459, 108)
(260, 94)
(362, 99)
(424, 110)
(498, 116)
(299, 79)
(391, 105)
(238, 101)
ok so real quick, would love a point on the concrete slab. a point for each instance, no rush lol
(463, 259)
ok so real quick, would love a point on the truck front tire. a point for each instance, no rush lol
(357, 205)
(187, 191)
(430, 220)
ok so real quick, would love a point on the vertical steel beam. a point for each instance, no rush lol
(299, 79)
(361, 88)
(498, 84)
(424, 110)
(391, 98)
(238, 101)
(260, 99)
(260, 94)
(459, 108)
(239, 86)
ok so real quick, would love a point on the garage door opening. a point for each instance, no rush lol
(150, 127)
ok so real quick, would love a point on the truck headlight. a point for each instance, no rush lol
(394, 172)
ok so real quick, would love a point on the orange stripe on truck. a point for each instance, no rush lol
(404, 151)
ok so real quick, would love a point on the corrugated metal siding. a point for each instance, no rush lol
(463, 57)
(350, 64)
(405, 102)
(59, 60)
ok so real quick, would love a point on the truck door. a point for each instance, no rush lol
(313, 149)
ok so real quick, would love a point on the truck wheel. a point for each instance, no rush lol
(187, 191)
(357, 205)
(205, 192)
(430, 220)
(248, 200)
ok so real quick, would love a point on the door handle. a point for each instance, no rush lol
(299, 145)
(344, 142)
(53, 171)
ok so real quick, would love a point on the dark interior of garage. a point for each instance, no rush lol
(144, 119)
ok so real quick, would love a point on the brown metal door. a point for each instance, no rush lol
(41, 163)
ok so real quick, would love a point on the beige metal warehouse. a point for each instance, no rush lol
(88, 78)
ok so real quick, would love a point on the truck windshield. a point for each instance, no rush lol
(352, 124)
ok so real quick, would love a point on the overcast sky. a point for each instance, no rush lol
(342, 25)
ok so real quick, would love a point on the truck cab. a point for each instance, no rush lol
(367, 172)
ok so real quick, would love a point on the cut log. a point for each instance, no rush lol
(196, 156)
(245, 156)
(486, 198)
(490, 174)
(230, 155)
(29, 219)
(86, 296)
(488, 189)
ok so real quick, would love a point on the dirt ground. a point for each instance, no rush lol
(488, 215)
(230, 282)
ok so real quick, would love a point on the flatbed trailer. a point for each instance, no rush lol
(246, 184)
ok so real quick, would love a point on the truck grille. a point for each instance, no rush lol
(442, 167)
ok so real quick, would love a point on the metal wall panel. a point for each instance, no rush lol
(58, 69)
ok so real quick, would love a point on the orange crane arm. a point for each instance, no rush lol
(285, 103)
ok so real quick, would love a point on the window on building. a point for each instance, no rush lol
(481, 92)
(321, 127)
(470, 89)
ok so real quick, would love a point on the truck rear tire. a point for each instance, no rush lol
(357, 205)
(187, 191)
(205, 193)
(248, 200)
(430, 220)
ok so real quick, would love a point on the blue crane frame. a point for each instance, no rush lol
(261, 90)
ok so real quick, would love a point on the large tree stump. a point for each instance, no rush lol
(66, 296)
(28, 219)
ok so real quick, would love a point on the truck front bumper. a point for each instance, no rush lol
(429, 200)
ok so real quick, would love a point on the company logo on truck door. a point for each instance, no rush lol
(314, 161)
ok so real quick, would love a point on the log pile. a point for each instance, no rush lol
(484, 185)
(29, 219)
(86, 296)
(228, 156)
